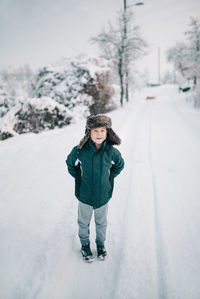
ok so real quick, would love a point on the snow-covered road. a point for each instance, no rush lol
(154, 216)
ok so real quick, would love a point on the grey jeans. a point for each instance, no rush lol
(84, 217)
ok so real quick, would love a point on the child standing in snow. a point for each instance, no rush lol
(94, 164)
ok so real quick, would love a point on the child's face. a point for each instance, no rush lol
(98, 135)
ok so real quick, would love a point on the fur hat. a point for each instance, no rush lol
(97, 121)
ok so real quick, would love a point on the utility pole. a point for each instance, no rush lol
(124, 5)
(125, 63)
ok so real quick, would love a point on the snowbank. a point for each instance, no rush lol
(35, 115)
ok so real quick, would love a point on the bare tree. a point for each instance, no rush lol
(193, 37)
(178, 55)
(186, 58)
(134, 46)
(121, 45)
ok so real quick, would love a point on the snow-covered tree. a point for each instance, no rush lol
(186, 56)
(6, 101)
(134, 46)
(121, 45)
(186, 59)
(193, 37)
(17, 82)
(178, 56)
(63, 84)
(74, 83)
(62, 92)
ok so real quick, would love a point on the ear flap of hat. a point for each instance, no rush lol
(112, 137)
(84, 139)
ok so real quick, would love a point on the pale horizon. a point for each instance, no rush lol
(42, 32)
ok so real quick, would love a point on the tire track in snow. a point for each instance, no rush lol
(125, 217)
(160, 254)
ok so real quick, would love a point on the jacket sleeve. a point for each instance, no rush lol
(118, 163)
(71, 162)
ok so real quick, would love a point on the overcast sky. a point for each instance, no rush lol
(38, 32)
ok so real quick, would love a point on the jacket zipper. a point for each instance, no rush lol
(93, 179)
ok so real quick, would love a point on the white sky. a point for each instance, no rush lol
(38, 32)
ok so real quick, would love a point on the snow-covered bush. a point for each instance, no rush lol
(6, 101)
(63, 84)
(67, 79)
(35, 115)
(60, 91)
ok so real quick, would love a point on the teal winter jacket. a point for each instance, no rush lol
(94, 172)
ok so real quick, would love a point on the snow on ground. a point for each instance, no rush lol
(154, 216)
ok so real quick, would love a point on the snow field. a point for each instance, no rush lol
(154, 216)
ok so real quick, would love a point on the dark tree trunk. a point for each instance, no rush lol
(127, 96)
(121, 79)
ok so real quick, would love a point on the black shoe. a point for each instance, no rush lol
(101, 252)
(87, 253)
